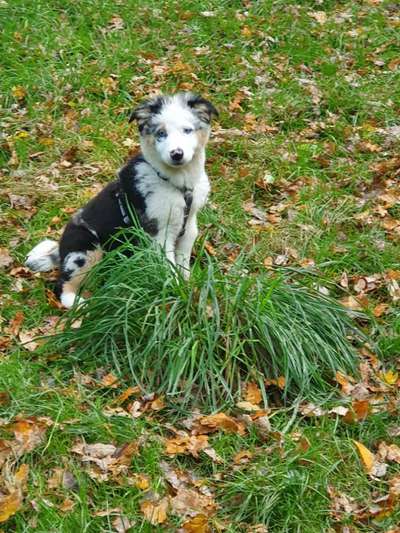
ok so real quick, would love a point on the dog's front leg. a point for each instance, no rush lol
(184, 246)
(167, 242)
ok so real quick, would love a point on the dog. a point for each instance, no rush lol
(164, 187)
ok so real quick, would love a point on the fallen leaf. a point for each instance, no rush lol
(390, 377)
(121, 524)
(242, 457)
(190, 502)
(130, 391)
(5, 258)
(18, 92)
(186, 444)
(253, 393)
(67, 505)
(142, 481)
(211, 423)
(155, 512)
(197, 524)
(319, 16)
(9, 505)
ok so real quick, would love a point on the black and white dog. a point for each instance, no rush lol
(164, 186)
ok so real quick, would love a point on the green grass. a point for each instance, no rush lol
(199, 341)
(81, 77)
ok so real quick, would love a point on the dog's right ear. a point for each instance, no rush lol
(146, 110)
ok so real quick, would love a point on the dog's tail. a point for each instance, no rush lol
(43, 257)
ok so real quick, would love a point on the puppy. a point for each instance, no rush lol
(164, 187)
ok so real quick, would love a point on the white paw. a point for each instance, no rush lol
(70, 298)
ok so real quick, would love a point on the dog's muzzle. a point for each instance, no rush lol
(176, 155)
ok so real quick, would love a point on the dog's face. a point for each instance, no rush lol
(175, 127)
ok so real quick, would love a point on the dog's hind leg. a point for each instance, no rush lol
(73, 271)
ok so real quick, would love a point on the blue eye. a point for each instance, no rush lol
(161, 134)
(187, 130)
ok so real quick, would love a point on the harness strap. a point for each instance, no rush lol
(188, 197)
(125, 216)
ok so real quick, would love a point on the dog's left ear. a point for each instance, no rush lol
(204, 109)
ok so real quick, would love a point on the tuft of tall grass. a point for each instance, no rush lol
(200, 340)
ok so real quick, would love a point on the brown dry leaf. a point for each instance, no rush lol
(121, 524)
(380, 309)
(242, 457)
(55, 480)
(389, 452)
(197, 524)
(394, 485)
(351, 303)
(190, 502)
(211, 423)
(253, 393)
(5, 258)
(186, 444)
(115, 23)
(110, 380)
(28, 433)
(26, 338)
(319, 16)
(16, 323)
(67, 505)
(108, 512)
(158, 404)
(155, 512)
(345, 382)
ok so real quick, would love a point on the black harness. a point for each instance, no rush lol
(122, 199)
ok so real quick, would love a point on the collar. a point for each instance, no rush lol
(184, 190)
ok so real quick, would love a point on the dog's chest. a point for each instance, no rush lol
(169, 205)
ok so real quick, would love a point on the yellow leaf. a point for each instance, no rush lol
(390, 377)
(367, 457)
(9, 505)
(18, 92)
(246, 31)
(197, 524)
(142, 482)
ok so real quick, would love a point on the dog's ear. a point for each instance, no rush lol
(146, 110)
(204, 109)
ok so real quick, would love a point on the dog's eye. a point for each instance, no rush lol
(161, 134)
(187, 130)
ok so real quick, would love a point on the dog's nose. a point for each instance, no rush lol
(176, 155)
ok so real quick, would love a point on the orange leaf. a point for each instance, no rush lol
(218, 421)
(253, 393)
(367, 457)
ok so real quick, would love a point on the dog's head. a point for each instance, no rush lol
(174, 128)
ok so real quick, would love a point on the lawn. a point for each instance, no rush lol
(305, 171)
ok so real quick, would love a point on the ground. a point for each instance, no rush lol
(304, 168)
